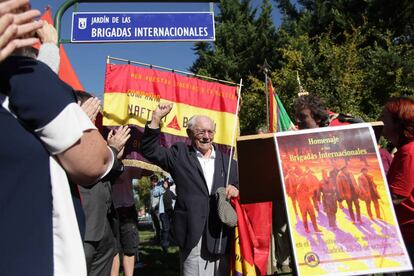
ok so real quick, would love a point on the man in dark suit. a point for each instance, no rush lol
(100, 216)
(198, 170)
(100, 221)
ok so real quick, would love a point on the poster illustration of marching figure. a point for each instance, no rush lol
(339, 207)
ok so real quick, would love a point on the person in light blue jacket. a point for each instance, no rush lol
(155, 194)
(166, 207)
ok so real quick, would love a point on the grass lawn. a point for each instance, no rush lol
(155, 262)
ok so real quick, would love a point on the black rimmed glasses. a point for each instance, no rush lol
(203, 132)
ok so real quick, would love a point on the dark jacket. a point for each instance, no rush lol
(195, 212)
(98, 206)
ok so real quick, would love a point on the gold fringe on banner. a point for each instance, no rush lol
(143, 165)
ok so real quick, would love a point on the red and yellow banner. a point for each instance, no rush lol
(131, 93)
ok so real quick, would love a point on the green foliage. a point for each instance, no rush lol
(243, 42)
(253, 109)
(354, 54)
(353, 76)
(228, 57)
(155, 262)
(143, 189)
(314, 17)
(328, 70)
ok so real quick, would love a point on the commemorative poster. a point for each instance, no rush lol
(339, 207)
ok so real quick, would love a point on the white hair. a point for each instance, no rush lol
(192, 121)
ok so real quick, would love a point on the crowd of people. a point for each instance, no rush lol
(62, 213)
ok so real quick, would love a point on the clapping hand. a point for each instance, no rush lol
(47, 33)
(91, 107)
(117, 139)
(17, 30)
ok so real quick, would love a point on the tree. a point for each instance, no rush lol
(354, 54)
(243, 42)
(315, 17)
(352, 77)
(227, 58)
(143, 189)
(389, 68)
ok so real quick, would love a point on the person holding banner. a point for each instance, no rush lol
(398, 118)
(198, 170)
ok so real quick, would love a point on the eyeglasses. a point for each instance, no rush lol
(202, 132)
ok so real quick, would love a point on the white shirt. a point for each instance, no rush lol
(207, 164)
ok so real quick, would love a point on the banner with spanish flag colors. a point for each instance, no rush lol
(131, 93)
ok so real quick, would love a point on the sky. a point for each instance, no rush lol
(88, 59)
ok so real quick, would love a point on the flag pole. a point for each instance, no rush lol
(233, 137)
(170, 69)
(302, 91)
(266, 70)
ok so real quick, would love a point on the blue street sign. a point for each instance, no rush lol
(129, 27)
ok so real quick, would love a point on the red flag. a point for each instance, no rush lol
(260, 216)
(242, 260)
(254, 227)
(47, 16)
(66, 72)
